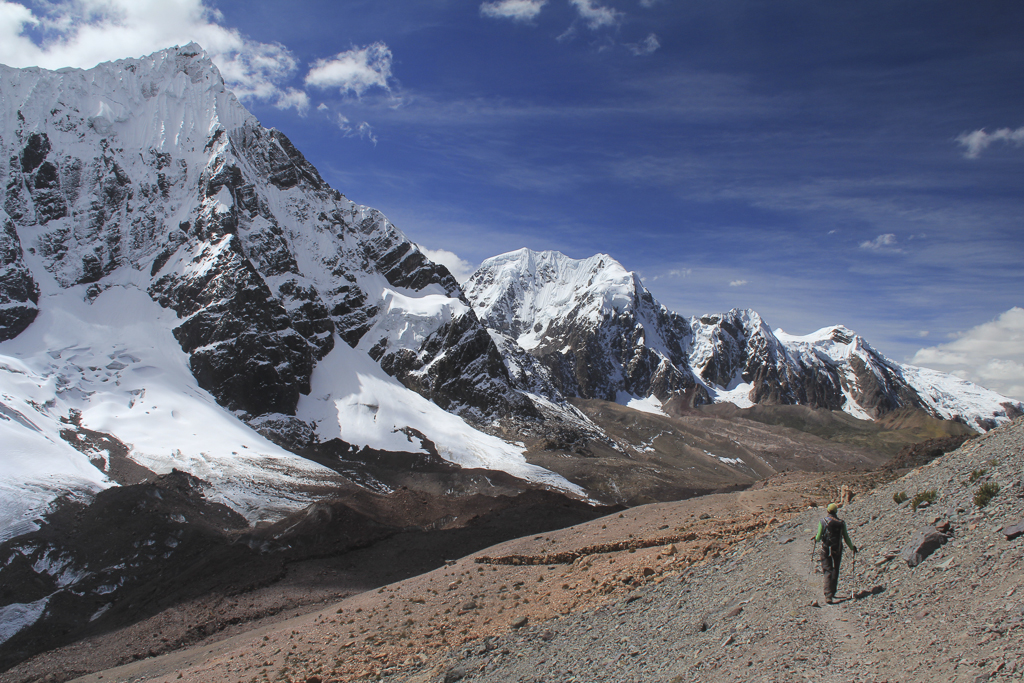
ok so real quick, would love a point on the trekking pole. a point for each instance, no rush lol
(814, 548)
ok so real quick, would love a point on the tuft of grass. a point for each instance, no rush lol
(924, 497)
(899, 498)
(976, 475)
(985, 493)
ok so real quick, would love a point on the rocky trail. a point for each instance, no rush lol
(756, 614)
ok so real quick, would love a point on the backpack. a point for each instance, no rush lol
(832, 537)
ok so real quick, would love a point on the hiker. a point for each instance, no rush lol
(832, 532)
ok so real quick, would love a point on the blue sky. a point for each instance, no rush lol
(821, 163)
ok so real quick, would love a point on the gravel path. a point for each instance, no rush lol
(754, 614)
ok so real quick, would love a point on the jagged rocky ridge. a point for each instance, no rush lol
(597, 332)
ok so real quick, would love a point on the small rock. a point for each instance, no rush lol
(1012, 532)
(887, 557)
(520, 622)
(647, 571)
(456, 673)
(670, 549)
(924, 542)
(735, 612)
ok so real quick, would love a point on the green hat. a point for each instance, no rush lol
(832, 507)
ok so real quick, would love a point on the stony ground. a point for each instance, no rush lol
(718, 588)
(755, 614)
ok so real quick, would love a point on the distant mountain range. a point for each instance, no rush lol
(599, 333)
(180, 288)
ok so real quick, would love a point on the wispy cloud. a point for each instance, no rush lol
(977, 141)
(83, 33)
(738, 283)
(356, 70)
(596, 16)
(886, 242)
(645, 46)
(362, 130)
(516, 10)
(991, 354)
(459, 267)
(672, 274)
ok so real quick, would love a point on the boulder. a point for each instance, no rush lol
(1012, 532)
(924, 542)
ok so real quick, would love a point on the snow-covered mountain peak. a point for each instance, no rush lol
(600, 332)
(836, 341)
(170, 102)
(526, 291)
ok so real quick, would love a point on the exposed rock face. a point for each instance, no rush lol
(19, 294)
(738, 347)
(149, 171)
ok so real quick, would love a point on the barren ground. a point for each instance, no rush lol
(338, 625)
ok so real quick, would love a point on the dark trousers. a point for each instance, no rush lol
(830, 561)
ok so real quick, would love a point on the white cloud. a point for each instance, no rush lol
(991, 354)
(83, 33)
(293, 98)
(460, 268)
(645, 46)
(738, 283)
(882, 242)
(356, 70)
(322, 107)
(923, 333)
(362, 130)
(977, 141)
(517, 10)
(596, 16)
